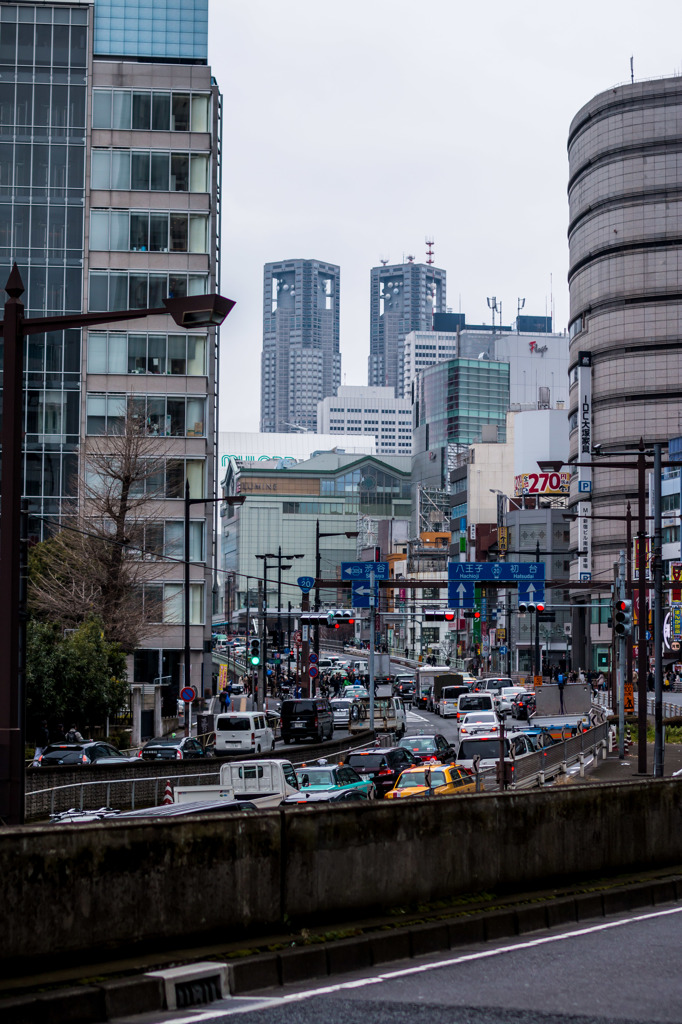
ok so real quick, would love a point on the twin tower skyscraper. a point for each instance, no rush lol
(301, 361)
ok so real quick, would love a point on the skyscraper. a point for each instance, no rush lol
(404, 298)
(122, 88)
(301, 362)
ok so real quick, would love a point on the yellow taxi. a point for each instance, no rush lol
(433, 779)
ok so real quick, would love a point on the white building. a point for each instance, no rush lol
(424, 348)
(369, 410)
(246, 446)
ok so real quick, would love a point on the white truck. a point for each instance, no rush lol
(266, 783)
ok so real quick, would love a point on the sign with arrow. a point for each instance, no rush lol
(532, 593)
(361, 593)
(362, 570)
(484, 572)
(461, 595)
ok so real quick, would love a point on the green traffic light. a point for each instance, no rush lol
(255, 660)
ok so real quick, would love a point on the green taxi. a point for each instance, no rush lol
(333, 778)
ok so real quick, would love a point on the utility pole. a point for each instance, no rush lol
(372, 624)
(619, 591)
(659, 748)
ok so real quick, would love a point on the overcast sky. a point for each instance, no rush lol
(353, 130)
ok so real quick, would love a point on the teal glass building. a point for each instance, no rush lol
(157, 29)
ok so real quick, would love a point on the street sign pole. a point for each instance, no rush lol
(372, 624)
(620, 591)
(305, 650)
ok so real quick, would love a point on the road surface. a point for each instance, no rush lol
(624, 970)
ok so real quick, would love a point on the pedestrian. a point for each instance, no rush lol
(73, 735)
(42, 741)
(407, 653)
(650, 682)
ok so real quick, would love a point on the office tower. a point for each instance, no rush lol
(624, 277)
(120, 88)
(365, 410)
(403, 298)
(300, 363)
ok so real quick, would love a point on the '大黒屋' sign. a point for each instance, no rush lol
(541, 483)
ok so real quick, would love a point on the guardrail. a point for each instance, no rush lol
(535, 768)
(158, 780)
(670, 709)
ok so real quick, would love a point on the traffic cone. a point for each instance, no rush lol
(168, 795)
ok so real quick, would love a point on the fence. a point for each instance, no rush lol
(670, 708)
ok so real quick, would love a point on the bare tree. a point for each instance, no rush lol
(113, 544)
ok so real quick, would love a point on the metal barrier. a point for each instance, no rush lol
(534, 768)
(158, 780)
(670, 709)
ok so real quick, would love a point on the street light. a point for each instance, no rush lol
(193, 311)
(236, 499)
(318, 563)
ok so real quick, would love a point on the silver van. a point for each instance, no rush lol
(243, 730)
(474, 702)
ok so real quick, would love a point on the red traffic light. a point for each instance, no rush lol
(336, 625)
(477, 615)
(351, 622)
(449, 616)
(621, 606)
(539, 607)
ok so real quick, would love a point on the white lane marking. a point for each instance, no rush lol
(420, 718)
(404, 972)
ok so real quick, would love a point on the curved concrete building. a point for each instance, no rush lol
(625, 278)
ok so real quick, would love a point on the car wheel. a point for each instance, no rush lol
(273, 745)
(286, 740)
(331, 733)
(320, 736)
(258, 749)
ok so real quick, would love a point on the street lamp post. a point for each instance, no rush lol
(318, 570)
(235, 499)
(278, 558)
(193, 311)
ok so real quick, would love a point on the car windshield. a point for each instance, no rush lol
(409, 779)
(296, 707)
(234, 724)
(371, 761)
(314, 777)
(474, 703)
(341, 705)
(481, 716)
(418, 743)
(480, 748)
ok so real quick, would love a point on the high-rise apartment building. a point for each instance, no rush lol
(365, 410)
(110, 125)
(625, 176)
(301, 362)
(404, 298)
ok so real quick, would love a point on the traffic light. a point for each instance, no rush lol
(526, 606)
(254, 657)
(623, 618)
(545, 615)
(449, 615)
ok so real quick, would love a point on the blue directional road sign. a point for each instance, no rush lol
(461, 595)
(491, 572)
(503, 649)
(532, 592)
(361, 592)
(361, 570)
(306, 583)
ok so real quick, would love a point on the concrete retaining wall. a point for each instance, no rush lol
(88, 888)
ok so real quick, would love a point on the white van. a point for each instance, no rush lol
(243, 730)
(359, 667)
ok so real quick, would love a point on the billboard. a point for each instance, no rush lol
(541, 483)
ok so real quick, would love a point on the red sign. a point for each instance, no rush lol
(541, 483)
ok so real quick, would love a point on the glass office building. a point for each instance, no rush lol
(122, 90)
(162, 29)
(43, 137)
(452, 403)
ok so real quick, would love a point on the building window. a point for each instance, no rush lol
(149, 171)
(111, 290)
(166, 539)
(155, 415)
(176, 354)
(164, 602)
(114, 230)
(150, 111)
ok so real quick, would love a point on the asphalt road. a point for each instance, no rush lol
(622, 971)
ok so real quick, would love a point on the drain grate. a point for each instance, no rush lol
(194, 993)
(193, 984)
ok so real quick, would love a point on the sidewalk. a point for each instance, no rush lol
(614, 770)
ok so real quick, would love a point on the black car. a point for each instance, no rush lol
(89, 752)
(169, 748)
(308, 718)
(523, 706)
(383, 764)
(429, 748)
(405, 688)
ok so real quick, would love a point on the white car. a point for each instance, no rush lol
(478, 722)
(486, 748)
(341, 710)
(506, 697)
(355, 691)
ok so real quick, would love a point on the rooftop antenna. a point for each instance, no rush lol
(383, 261)
(410, 259)
(429, 251)
(430, 261)
(632, 69)
(520, 303)
(493, 306)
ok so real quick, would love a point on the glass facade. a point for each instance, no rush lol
(43, 84)
(166, 29)
(456, 399)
